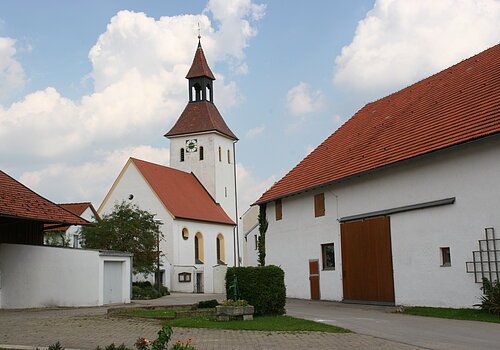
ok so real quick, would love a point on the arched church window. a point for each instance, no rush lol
(185, 234)
(198, 248)
(220, 154)
(202, 155)
(221, 254)
(182, 154)
(228, 156)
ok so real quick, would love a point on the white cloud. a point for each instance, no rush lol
(250, 187)
(301, 100)
(88, 181)
(402, 41)
(138, 69)
(12, 77)
(254, 132)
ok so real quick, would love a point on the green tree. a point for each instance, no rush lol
(261, 244)
(128, 229)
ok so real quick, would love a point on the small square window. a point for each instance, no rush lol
(328, 256)
(445, 256)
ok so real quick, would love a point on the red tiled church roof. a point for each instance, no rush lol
(459, 104)
(18, 201)
(200, 67)
(198, 117)
(182, 193)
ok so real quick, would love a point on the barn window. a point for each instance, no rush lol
(220, 154)
(328, 256)
(182, 154)
(198, 248)
(319, 205)
(445, 256)
(256, 241)
(228, 156)
(202, 155)
(278, 209)
(221, 256)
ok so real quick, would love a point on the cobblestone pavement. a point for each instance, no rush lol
(86, 328)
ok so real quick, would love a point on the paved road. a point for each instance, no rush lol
(382, 322)
(86, 328)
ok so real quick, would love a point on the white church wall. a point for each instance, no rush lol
(184, 252)
(132, 183)
(468, 172)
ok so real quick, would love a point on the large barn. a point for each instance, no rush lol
(401, 204)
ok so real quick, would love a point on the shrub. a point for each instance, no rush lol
(112, 346)
(262, 286)
(490, 301)
(207, 304)
(144, 290)
(231, 302)
(56, 346)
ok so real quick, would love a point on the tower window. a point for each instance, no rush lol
(220, 154)
(225, 192)
(201, 153)
(197, 89)
(182, 154)
(229, 156)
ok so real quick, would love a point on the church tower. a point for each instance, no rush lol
(201, 142)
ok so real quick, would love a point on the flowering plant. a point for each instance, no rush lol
(183, 345)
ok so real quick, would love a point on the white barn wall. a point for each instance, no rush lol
(41, 276)
(469, 172)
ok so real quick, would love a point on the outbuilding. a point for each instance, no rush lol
(400, 205)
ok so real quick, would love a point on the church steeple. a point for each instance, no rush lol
(200, 77)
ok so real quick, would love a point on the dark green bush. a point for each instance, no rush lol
(262, 286)
(144, 290)
(490, 301)
(56, 346)
(207, 304)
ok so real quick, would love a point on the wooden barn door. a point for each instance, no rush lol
(314, 278)
(367, 260)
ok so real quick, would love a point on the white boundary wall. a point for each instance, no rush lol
(41, 276)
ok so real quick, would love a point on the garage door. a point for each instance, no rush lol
(367, 260)
(113, 283)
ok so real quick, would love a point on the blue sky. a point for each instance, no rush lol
(85, 84)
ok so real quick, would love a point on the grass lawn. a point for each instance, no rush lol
(457, 314)
(259, 323)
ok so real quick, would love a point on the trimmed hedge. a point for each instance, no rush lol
(262, 286)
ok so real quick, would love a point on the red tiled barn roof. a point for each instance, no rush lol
(18, 201)
(459, 104)
(182, 193)
(200, 67)
(198, 117)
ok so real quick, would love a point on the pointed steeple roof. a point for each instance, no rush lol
(200, 67)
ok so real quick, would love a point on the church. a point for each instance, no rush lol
(195, 198)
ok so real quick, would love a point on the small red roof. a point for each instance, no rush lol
(182, 193)
(198, 117)
(200, 67)
(459, 104)
(75, 208)
(18, 201)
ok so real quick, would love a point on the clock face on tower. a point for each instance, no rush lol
(191, 145)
